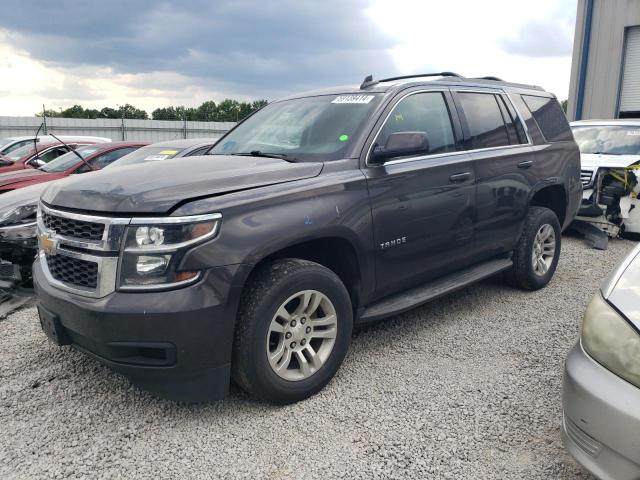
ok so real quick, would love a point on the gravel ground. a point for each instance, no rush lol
(468, 386)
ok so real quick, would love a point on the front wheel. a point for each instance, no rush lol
(536, 255)
(294, 328)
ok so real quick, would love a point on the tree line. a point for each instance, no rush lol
(228, 110)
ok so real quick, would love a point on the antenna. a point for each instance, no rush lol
(368, 82)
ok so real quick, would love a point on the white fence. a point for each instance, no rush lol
(116, 129)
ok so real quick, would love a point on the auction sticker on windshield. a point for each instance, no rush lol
(353, 99)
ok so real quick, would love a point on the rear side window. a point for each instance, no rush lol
(550, 118)
(484, 119)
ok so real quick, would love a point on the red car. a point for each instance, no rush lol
(96, 157)
(27, 156)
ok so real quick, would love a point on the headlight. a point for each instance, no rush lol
(154, 248)
(611, 340)
(24, 214)
(19, 223)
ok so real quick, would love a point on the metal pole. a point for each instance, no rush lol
(184, 117)
(44, 118)
(123, 133)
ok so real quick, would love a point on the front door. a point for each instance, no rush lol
(423, 206)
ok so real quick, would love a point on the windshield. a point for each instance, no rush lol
(24, 151)
(305, 129)
(68, 160)
(146, 154)
(610, 140)
(4, 142)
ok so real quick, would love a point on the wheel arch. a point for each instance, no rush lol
(551, 195)
(334, 251)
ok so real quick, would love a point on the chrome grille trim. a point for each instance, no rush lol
(109, 247)
(105, 252)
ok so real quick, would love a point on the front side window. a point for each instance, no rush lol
(52, 154)
(318, 128)
(421, 112)
(608, 140)
(550, 118)
(487, 128)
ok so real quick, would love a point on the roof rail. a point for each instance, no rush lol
(369, 81)
(490, 77)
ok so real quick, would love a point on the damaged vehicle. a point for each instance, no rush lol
(36, 155)
(94, 157)
(18, 243)
(319, 211)
(610, 174)
(9, 144)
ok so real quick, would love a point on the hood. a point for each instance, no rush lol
(157, 187)
(622, 289)
(593, 161)
(24, 175)
(21, 197)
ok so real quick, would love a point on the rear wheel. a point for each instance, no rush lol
(294, 328)
(536, 255)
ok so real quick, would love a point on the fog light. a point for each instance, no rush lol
(148, 264)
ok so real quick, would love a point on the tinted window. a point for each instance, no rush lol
(422, 112)
(522, 136)
(510, 122)
(484, 119)
(549, 117)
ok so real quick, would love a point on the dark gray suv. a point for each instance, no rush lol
(322, 210)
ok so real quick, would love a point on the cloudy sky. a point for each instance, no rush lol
(154, 53)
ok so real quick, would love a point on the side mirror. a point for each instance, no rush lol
(401, 144)
(36, 162)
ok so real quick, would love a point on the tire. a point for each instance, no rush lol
(258, 338)
(523, 273)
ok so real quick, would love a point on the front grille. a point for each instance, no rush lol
(73, 271)
(73, 228)
(585, 177)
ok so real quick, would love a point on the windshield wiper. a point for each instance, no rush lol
(258, 153)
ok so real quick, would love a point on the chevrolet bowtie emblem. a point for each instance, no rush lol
(47, 244)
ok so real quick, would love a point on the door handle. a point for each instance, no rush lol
(460, 177)
(525, 164)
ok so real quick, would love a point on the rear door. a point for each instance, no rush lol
(496, 140)
(422, 205)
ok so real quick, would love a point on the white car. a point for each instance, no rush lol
(610, 156)
(10, 144)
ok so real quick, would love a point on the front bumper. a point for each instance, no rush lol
(176, 344)
(601, 426)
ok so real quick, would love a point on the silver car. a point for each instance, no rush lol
(601, 393)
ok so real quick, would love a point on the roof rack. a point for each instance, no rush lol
(369, 81)
(490, 77)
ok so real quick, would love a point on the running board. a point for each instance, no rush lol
(417, 296)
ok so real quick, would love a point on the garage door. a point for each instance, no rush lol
(630, 95)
